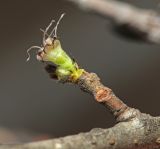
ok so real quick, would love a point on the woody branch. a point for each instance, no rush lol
(143, 24)
(135, 130)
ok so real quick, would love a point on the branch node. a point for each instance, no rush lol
(103, 94)
(128, 114)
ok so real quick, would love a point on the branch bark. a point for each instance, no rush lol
(134, 130)
(142, 24)
(91, 83)
(141, 132)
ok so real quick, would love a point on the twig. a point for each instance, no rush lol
(141, 23)
(90, 82)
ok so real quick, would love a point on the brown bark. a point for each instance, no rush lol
(134, 130)
(141, 132)
(91, 83)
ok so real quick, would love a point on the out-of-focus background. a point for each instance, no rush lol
(36, 107)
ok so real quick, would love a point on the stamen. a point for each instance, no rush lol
(45, 31)
(54, 31)
(28, 50)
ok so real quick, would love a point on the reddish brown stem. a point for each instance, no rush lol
(90, 82)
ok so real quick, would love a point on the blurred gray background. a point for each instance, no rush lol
(30, 100)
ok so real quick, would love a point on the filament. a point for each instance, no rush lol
(28, 51)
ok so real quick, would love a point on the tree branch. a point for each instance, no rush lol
(135, 130)
(138, 23)
(90, 82)
(140, 132)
